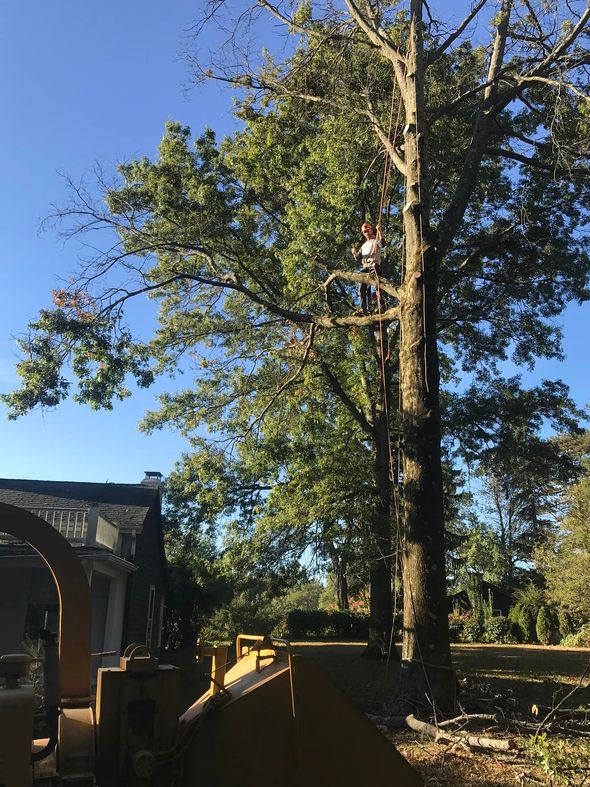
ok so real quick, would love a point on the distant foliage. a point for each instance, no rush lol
(251, 612)
(566, 622)
(496, 629)
(514, 618)
(240, 616)
(581, 638)
(566, 563)
(532, 597)
(547, 626)
(457, 621)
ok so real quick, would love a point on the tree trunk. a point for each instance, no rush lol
(427, 675)
(341, 580)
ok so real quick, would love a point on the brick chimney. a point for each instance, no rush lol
(152, 478)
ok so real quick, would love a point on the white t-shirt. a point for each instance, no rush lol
(370, 253)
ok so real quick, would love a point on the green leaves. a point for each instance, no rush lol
(102, 355)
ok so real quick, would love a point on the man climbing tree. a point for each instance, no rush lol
(369, 256)
(485, 144)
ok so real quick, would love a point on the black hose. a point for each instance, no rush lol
(52, 723)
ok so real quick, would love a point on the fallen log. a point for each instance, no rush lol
(444, 737)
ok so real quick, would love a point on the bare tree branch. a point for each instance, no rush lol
(456, 210)
(531, 162)
(337, 388)
(434, 55)
(289, 381)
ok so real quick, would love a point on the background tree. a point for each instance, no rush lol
(520, 474)
(565, 561)
(240, 245)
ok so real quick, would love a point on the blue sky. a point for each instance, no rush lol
(82, 83)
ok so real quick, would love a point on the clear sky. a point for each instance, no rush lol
(81, 83)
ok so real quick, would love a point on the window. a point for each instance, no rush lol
(150, 615)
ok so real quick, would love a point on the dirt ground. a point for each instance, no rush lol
(497, 676)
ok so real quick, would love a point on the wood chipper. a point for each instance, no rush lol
(273, 718)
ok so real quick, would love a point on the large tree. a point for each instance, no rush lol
(243, 244)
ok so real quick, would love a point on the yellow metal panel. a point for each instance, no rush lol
(16, 731)
(135, 712)
(287, 724)
(246, 742)
(338, 744)
(76, 745)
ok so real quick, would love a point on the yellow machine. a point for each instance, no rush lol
(273, 718)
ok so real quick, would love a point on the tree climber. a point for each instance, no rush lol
(370, 256)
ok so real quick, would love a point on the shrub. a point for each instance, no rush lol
(530, 599)
(499, 630)
(547, 627)
(531, 596)
(457, 622)
(238, 617)
(341, 623)
(563, 760)
(527, 621)
(473, 630)
(321, 623)
(566, 623)
(514, 618)
(359, 626)
(580, 639)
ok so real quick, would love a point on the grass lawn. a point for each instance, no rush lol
(494, 675)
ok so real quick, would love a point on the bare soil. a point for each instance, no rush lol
(495, 676)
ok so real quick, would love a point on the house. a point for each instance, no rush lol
(116, 531)
(500, 600)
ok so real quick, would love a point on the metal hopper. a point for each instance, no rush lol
(276, 718)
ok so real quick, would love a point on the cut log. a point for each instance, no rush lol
(475, 741)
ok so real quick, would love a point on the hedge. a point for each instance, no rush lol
(322, 623)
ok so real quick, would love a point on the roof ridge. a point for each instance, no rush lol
(85, 483)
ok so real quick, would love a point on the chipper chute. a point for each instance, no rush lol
(276, 718)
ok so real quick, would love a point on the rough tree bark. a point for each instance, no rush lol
(427, 673)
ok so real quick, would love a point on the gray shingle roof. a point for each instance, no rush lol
(125, 505)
